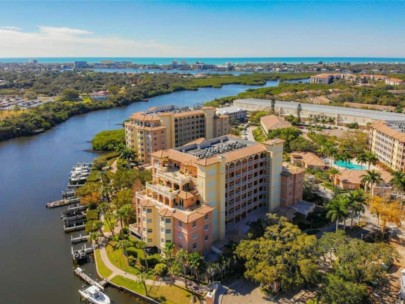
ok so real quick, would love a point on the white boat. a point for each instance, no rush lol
(94, 295)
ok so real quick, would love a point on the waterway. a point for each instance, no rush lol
(35, 260)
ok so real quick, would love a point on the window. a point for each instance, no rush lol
(168, 221)
(180, 235)
(194, 245)
(162, 229)
(206, 227)
(150, 230)
(206, 237)
(149, 240)
(149, 220)
(206, 217)
(168, 230)
(194, 235)
(194, 224)
(149, 210)
(180, 224)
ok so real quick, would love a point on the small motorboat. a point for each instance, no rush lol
(94, 295)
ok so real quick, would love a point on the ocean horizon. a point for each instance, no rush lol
(208, 60)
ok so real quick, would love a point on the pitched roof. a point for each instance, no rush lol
(272, 122)
(308, 158)
(355, 176)
(383, 127)
(191, 216)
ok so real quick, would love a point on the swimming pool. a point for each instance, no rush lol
(349, 165)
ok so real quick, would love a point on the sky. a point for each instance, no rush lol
(272, 28)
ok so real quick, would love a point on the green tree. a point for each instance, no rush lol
(371, 178)
(398, 181)
(372, 159)
(283, 258)
(70, 95)
(337, 209)
(339, 291)
(362, 158)
(195, 261)
(356, 205)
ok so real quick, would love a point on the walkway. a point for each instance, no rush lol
(117, 271)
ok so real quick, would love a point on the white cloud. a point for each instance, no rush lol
(70, 42)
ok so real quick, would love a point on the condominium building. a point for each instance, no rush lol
(236, 115)
(387, 142)
(167, 127)
(200, 188)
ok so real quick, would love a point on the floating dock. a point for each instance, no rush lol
(63, 202)
(80, 273)
(74, 227)
(79, 239)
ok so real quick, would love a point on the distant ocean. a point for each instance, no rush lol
(209, 60)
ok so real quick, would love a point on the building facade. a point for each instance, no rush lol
(292, 185)
(236, 115)
(199, 189)
(387, 142)
(162, 128)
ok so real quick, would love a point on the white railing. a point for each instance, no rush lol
(162, 190)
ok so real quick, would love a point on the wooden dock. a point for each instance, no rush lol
(63, 202)
(80, 273)
(73, 228)
(79, 239)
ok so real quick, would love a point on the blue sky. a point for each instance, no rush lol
(202, 28)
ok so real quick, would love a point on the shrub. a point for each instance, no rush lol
(133, 252)
(92, 215)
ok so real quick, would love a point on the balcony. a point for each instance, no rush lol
(174, 177)
(162, 190)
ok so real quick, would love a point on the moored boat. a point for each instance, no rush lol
(94, 295)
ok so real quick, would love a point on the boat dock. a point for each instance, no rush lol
(79, 239)
(74, 227)
(80, 273)
(68, 194)
(63, 202)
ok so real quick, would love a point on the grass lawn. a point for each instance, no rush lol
(103, 270)
(164, 294)
(119, 260)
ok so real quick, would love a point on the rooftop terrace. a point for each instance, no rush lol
(215, 146)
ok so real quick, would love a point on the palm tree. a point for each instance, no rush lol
(110, 220)
(372, 177)
(398, 181)
(372, 159)
(141, 279)
(182, 258)
(273, 104)
(195, 262)
(337, 209)
(168, 252)
(357, 200)
(362, 158)
(123, 244)
(126, 211)
(299, 109)
(93, 237)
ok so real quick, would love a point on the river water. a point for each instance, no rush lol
(35, 260)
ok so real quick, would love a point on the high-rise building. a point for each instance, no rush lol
(200, 188)
(387, 142)
(167, 127)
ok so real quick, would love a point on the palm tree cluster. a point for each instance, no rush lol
(346, 204)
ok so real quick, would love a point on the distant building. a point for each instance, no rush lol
(199, 190)
(321, 78)
(292, 185)
(80, 64)
(236, 115)
(394, 81)
(328, 78)
(273, 122)
(169, 126)
(387, 142)
(337, 115)
(100, 95)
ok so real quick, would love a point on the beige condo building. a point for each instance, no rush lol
(387, 142)
(167, 127)
(200, 188)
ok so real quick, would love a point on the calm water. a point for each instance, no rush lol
(35, 261)
(349, 165)
(211, 60)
